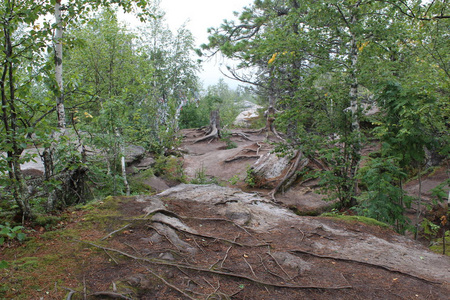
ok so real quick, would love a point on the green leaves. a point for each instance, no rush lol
(10, 233)
(382, 197)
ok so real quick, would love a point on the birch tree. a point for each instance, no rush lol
(26, 34)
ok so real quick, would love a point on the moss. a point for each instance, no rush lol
(438, 246)
(310, 213)
(35, 266)
(26, 263)
(59, 234)
(365, 220)
(48, 221)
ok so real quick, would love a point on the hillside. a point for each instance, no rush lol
(216, 242)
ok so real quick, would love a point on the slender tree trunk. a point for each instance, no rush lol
(60, 112)
(122, 163)
(59, 66)
(354, 106)
(9, 118)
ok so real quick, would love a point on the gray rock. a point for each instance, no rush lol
(133, 153)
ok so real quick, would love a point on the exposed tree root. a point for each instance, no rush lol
(364, 263)
(168, 283)
(212, 136)
(115, 231)
(238, 157)
(110, 295)
(243, 153)
(222, 220)
(242, 135)
(213, 237)
(216, 272)
(213, 129)
(71, 293)
(292, 170)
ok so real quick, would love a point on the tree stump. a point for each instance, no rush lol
(213, 130)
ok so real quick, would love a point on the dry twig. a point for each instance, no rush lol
(276, 261)
(268, 271)
(250, 266)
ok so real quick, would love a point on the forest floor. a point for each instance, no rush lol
(221, 242)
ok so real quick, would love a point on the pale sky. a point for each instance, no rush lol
(199, 15)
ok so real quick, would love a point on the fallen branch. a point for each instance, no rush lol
(200, 269)
(365, 263)
(71, 293)
(226, 255)
(112, 258)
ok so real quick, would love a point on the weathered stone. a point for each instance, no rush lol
(269, 169)
(133, 153)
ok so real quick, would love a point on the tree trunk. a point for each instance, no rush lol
(60, 112)
(355, 107)
(122, 164)
(9, 118)
(213, 131)
(59, 66)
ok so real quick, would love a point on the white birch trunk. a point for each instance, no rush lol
(59, 66)
(124, 172)
(122, 164)
(354, 105)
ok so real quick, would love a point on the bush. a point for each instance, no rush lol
(11, 233)
(170, 168)
(384, 199)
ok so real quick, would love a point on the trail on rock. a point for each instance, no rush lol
(212, 242)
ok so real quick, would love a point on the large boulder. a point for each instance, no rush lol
(270, 169)
(133, 153)
(249, 113)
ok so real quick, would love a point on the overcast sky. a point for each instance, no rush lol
(199, 15)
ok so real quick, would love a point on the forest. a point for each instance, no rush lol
(358, 88)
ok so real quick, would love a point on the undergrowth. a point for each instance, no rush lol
(51, 258)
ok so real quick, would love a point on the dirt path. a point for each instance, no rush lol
(210, 242)
(231, 165)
